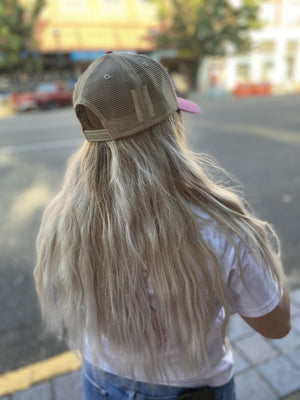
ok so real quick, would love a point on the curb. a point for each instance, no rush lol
(6, 109)
(24, 378)
(6, 113)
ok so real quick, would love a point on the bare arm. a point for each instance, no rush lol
(276, 324)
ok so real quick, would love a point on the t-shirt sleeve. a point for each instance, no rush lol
(253, 291)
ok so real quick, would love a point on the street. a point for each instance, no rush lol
(257, 140)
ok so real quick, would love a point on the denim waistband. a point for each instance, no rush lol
(104, 382)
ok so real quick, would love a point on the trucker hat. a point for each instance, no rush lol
(119, 95)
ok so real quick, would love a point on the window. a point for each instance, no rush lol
(290, 67)
(267, 70)
(267, 46)
(243, 71)
(292, 48)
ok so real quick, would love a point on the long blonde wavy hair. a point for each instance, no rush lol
(124, 214)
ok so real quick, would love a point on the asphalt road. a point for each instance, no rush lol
(256, 140)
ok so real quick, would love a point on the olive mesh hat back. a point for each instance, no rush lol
(119, 95)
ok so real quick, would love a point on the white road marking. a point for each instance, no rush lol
(54, 144)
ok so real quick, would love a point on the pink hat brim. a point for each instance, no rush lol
(188, 106)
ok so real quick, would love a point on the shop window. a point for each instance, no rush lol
(243, 72)
(290, 68)
(267, 71)
(292, 48)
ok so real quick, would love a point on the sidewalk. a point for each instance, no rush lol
(264, 369)
(5, 106)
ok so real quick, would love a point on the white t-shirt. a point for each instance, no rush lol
(260, 298)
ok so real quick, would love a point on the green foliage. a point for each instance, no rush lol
(206, 27)
(17, 45)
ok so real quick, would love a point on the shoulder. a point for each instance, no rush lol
(252, 288)
(227, 245)
(213, 234)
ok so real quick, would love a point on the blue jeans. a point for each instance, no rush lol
(111, 387)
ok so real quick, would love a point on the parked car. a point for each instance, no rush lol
(23, 101)
(45, 95)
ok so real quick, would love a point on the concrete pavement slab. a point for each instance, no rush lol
(42, 391)
(68, 387)
(293, 396)
(238, 328)
(281, 375)
(295, 302)
(256, 349)
(296, 323)
(240, 363)
(289, 342)
(295, 309)
(295, 296)
(250, 386)
(294, 357)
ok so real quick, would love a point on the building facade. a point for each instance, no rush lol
(92, 25)
(74, 32)
(71, 33)
(275, 57)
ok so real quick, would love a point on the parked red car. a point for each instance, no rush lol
(46, 95)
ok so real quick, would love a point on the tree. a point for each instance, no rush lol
(17, 44)
(200, 28)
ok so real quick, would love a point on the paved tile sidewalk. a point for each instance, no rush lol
(267, 369)
(264, 369)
